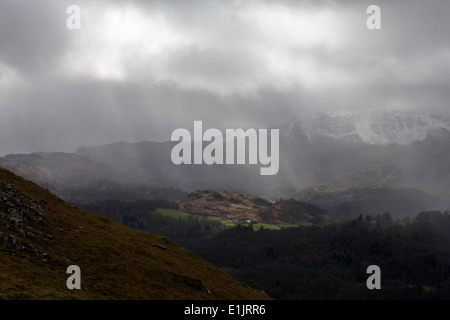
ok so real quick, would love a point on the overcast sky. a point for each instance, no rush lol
(137, 70)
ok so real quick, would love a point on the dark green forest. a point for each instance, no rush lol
(313, 262)
(330, 262)
(140, 215)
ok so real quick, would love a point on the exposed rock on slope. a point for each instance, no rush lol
(41, 235)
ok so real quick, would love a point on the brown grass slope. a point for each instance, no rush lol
(41, 235)
(240, 207)
(229, 205)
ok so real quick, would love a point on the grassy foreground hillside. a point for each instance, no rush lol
(41, 235)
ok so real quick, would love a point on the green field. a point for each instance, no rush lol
(172, 213)
(227, 222)
(185, 215)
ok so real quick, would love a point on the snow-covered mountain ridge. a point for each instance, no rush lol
(373, 127)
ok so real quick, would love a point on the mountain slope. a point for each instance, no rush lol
(349, 202)
(372, 127)
(240, 207)
(76, 178)
(41, 235)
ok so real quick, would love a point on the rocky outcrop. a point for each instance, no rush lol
(20, 214)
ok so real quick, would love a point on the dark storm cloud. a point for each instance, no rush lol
(31, 36)
(139, 69)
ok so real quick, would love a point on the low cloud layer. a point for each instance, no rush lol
(138, 70)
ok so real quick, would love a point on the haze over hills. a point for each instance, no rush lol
(388, 161)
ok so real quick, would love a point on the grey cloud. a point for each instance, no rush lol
(32, 34)
(405, 65)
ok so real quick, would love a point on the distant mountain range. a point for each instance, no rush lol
(372, 127)
(329, 159)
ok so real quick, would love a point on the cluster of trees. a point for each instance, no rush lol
(315, 262)
(294, 210)
(330, 262)
(104, 189)
(142, 215)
